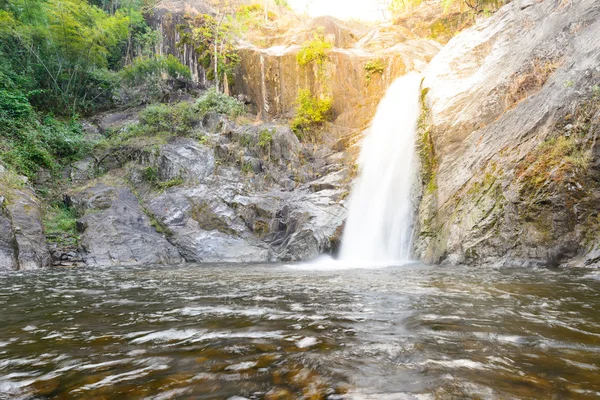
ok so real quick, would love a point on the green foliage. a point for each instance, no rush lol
(58, 47)
(374, 67)
(170, 183)
(265, 138)
(150, 175)
(146, 78)
(311, 113)
(247, 168)
(245, 140)
(60, 224)
(29, 144)
(218, 102)
(162, 119)
(144, 68)
(315, 50)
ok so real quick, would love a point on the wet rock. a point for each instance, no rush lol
(116, 231)
(306, 225)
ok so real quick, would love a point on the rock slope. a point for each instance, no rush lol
(508, 139)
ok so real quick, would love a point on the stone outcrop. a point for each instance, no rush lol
(22, 241)
(116, 231)
(508, 141)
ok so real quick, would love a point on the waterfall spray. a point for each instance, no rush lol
(380, 220)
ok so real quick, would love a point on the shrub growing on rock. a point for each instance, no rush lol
(315, 50)
(312, 112)
(374, 67)
(146, 78)
(218, 102)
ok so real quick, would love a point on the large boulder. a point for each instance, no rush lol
(117, 231)
(204, 225)
(508, 142)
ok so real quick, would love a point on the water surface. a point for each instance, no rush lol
(257, 331)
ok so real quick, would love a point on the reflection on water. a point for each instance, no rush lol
(272, 332)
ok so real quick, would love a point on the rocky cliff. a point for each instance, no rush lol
(508, 139)
(269, 75)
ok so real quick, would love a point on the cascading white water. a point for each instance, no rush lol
(380, 220)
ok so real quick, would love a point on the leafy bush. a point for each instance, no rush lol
(311, 113)
(144, 68)
(177, 119)
(28, 144)
(60, 224)
(146, 78)
(374, 67)
(218, 102)
(315, 50)
(265, 138)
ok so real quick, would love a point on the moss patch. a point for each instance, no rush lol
(208, 220)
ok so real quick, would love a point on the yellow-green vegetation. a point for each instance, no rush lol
(315, 50)
(61, 59)
(246, 168)
(265, 138)
(180, 119)
(426, 148)
(311, 113)
(60, 225)
(554, 160)
(208, 220)
(373, 67)
(213, 39)
(559, 168)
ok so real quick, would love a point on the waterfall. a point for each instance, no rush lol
(380, 219)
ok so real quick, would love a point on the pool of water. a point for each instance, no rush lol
(276, 332)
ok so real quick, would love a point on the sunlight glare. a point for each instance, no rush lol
(366, 10)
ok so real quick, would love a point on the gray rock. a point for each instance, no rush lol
(308, 225)
(185, 158)
(31, 249)
(498, 93)
(205, 228)
(82, 171)
(116, 231)
(8, 245)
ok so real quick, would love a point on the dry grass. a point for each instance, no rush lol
(530, 81)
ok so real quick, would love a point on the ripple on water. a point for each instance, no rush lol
(240, 332)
